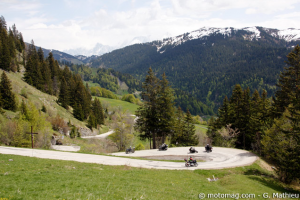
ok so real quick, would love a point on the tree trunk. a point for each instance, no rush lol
(154, 143)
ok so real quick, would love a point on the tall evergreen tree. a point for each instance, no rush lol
(148, 113)
(8, 97)
(190, 139)
(97, 111)
(64, 97)
(166, 109)
(288, 82)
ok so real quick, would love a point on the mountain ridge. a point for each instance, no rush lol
(207, 64)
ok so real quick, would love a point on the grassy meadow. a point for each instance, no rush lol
(124, 105)
(34, 178)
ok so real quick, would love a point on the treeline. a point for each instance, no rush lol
(158, 118)
(189, 102)
(106, 78)
(47, 76)
(11, 45)
(102, 92)
(270, 127)
(206, 68)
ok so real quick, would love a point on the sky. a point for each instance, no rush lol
(70, 24)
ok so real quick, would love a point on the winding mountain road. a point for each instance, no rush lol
(218, 159)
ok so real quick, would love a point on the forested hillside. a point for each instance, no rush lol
(269, 127)
(207, 68)
(107, 78)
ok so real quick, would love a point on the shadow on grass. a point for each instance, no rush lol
(269, 181)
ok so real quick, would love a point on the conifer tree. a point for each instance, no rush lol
(64, 97)
(1, 111)
(166, 108)
(148, 113)
(5, 56)
(178, 135)
(8, 97)
(288, 82)
(41, 55)
(92, 121)
(78, 112)
(97, 111)
(190, 139)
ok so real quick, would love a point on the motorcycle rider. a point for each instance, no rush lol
(192, 149)
(207, 147)
(191, 160)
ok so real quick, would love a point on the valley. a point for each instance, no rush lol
(235, 90)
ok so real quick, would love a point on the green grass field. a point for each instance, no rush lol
(118, 103)
(202, 128)
(34, 178)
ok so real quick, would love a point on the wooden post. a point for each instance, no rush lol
(32, 137)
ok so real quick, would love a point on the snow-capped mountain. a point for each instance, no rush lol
(248, 33)
(98, 49)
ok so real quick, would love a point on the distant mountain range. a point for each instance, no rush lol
(249, 33)
(205, 63)
(208, 62)
(100, 49)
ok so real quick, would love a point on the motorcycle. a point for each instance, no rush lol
(163, 147)
(193, 151)
(130, 150)
(190, 163)
(208, 149)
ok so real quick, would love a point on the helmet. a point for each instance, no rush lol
(190, 156)
(207, 144)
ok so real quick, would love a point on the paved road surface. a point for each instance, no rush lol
(104, 135)
(219, 158)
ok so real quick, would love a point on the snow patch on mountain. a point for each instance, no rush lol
(288, 35)
(253, 33)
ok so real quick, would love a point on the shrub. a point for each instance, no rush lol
(140, 146)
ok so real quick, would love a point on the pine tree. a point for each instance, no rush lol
(166, 109)
(78, 112)
(40, 55)
(281, 144)
(1, 104)
(5, 56)
(148, 113)
(8, 97)
(178, 135)
(288, 82)
(224, 117)
(190, 139)
(64, 97)
(92, 121)
(97, 111)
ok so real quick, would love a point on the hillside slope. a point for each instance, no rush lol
(208, 65)
(19, 87)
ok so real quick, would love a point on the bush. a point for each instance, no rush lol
(24, 93)
(140, 146)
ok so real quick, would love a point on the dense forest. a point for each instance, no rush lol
(269, 127)
(206, 68)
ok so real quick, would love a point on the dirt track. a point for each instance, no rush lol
(218, 159)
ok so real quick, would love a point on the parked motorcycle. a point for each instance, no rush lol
(189, 163)
(163, 147)
(130, 150)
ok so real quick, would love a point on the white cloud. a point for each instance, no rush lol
(252, 7)
(121, 21)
